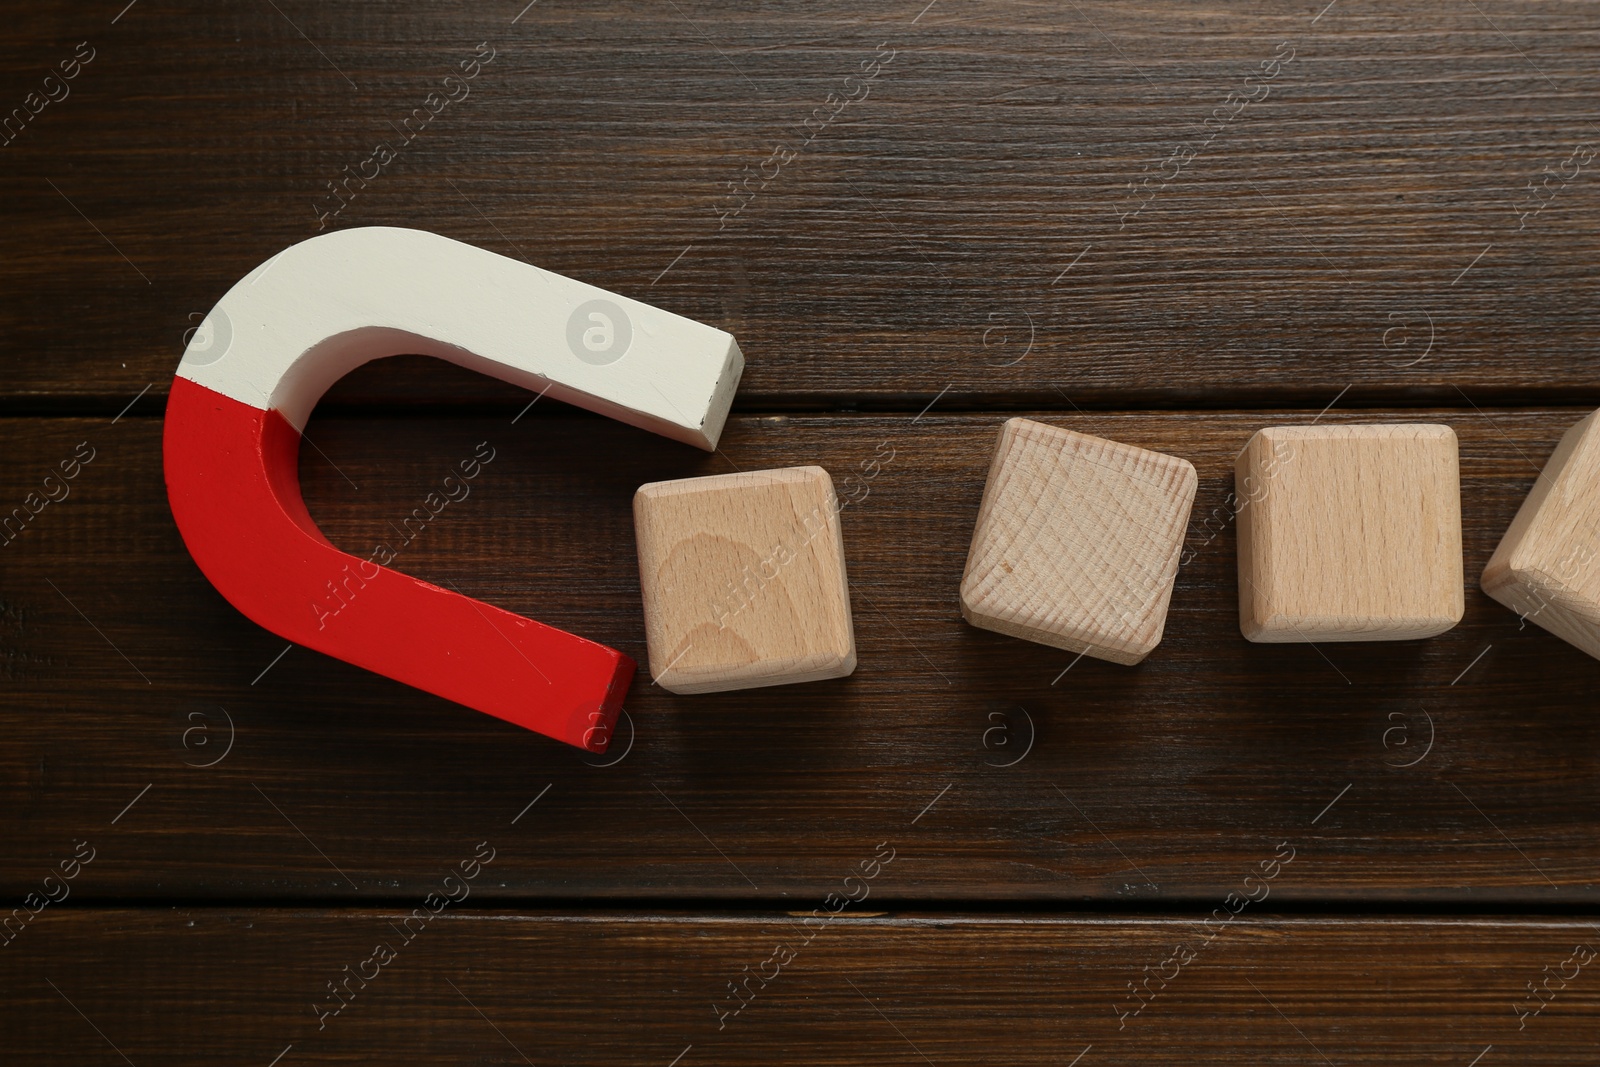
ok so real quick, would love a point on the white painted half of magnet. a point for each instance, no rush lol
(319, 309)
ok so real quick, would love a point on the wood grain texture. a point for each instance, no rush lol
(742, 580)
(1028, 196)
(1459, 769)
(1077, 542)
(233, 985)
(949, 208)
(1544, 567)
(1349, 533)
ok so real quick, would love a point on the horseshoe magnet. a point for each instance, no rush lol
(261, 359)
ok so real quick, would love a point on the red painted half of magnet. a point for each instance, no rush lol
(232, 475)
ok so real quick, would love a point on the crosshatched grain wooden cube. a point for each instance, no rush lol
(1546, 567)
(1077, 542)
(744, 580)
(1349, 533)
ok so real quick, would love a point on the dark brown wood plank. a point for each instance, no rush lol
(207, 986)
(1163, 782)
(1364, 222)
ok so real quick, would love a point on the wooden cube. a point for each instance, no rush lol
(1545, 567)
(744, 581)
(1349, 533)
(1077, 542)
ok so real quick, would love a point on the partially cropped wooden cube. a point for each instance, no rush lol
(1546, 567)
(744, 581)
(1349, 533)
(1077, 542)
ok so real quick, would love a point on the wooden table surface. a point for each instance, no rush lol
(918, 220)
